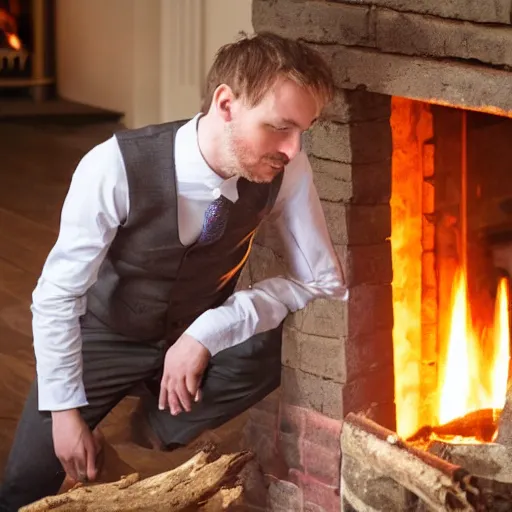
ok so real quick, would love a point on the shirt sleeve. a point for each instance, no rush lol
(95, 205)
(314, 269)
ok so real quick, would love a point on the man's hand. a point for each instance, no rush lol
(185, 363)
(74, 445)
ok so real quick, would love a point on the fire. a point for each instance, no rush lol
(451, 360)
(472, 381)
(9, 27)
(14, 41)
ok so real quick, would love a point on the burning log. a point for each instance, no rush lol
(441, 485)
(200, 484)
(481, 424)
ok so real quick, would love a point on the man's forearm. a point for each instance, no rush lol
(57, 347)
(262, 308)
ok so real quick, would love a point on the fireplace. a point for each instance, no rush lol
(411, 161)
(27, 48)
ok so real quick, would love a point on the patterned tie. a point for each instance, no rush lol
(215, 220)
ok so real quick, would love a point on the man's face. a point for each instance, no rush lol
(261, 140)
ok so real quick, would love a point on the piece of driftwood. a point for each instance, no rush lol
(441, 485)
(200, 484)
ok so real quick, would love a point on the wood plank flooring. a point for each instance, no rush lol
(36, 165)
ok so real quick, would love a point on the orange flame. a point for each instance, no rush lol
(470, 382)
(502, 343)
(14, 41)
(469, 371)
(9, 26)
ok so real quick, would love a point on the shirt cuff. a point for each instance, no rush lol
(56, 395)
(213, 339)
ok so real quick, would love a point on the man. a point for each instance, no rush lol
(139, 287)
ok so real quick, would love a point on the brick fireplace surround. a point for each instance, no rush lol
(338, 357)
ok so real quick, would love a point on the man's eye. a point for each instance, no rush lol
(279, 128)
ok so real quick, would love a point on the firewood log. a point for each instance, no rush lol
(440, 484)
(200, 484)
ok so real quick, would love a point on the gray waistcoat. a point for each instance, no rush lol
(149, 283)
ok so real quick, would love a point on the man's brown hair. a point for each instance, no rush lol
(251, 65)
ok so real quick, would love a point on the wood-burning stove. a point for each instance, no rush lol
(27, 63)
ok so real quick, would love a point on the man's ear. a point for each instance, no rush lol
(222, 100)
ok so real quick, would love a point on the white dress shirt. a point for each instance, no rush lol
(97, 203)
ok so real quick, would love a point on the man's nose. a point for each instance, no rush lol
(291, 146)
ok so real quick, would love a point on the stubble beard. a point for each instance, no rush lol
(237, 156)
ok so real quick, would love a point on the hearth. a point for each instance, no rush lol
(27, 48)
(411, 162)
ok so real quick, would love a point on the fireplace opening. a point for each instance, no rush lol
(450, 224)
(27, 64)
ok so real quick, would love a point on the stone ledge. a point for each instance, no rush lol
(321, 22)
(415, 34)
(407, 30)
(484, 11)
(457, 84)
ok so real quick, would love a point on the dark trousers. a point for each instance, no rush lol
(235, 379)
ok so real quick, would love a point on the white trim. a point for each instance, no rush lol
(181, 58)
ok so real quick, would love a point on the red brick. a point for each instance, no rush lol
(322, 463)
(317, 493)
(284, 496)
(292, 419)
(323, 431)
(311, 507)
(290, 448)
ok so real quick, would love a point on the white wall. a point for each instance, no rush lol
(224, 19)
(146, 58)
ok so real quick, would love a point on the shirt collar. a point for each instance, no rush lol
(191, 167)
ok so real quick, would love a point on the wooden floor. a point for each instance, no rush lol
(36, 164)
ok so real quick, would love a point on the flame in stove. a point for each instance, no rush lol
(9, 27)
(502, 344)
(14, 41)
(472, 381)
(453, 359)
